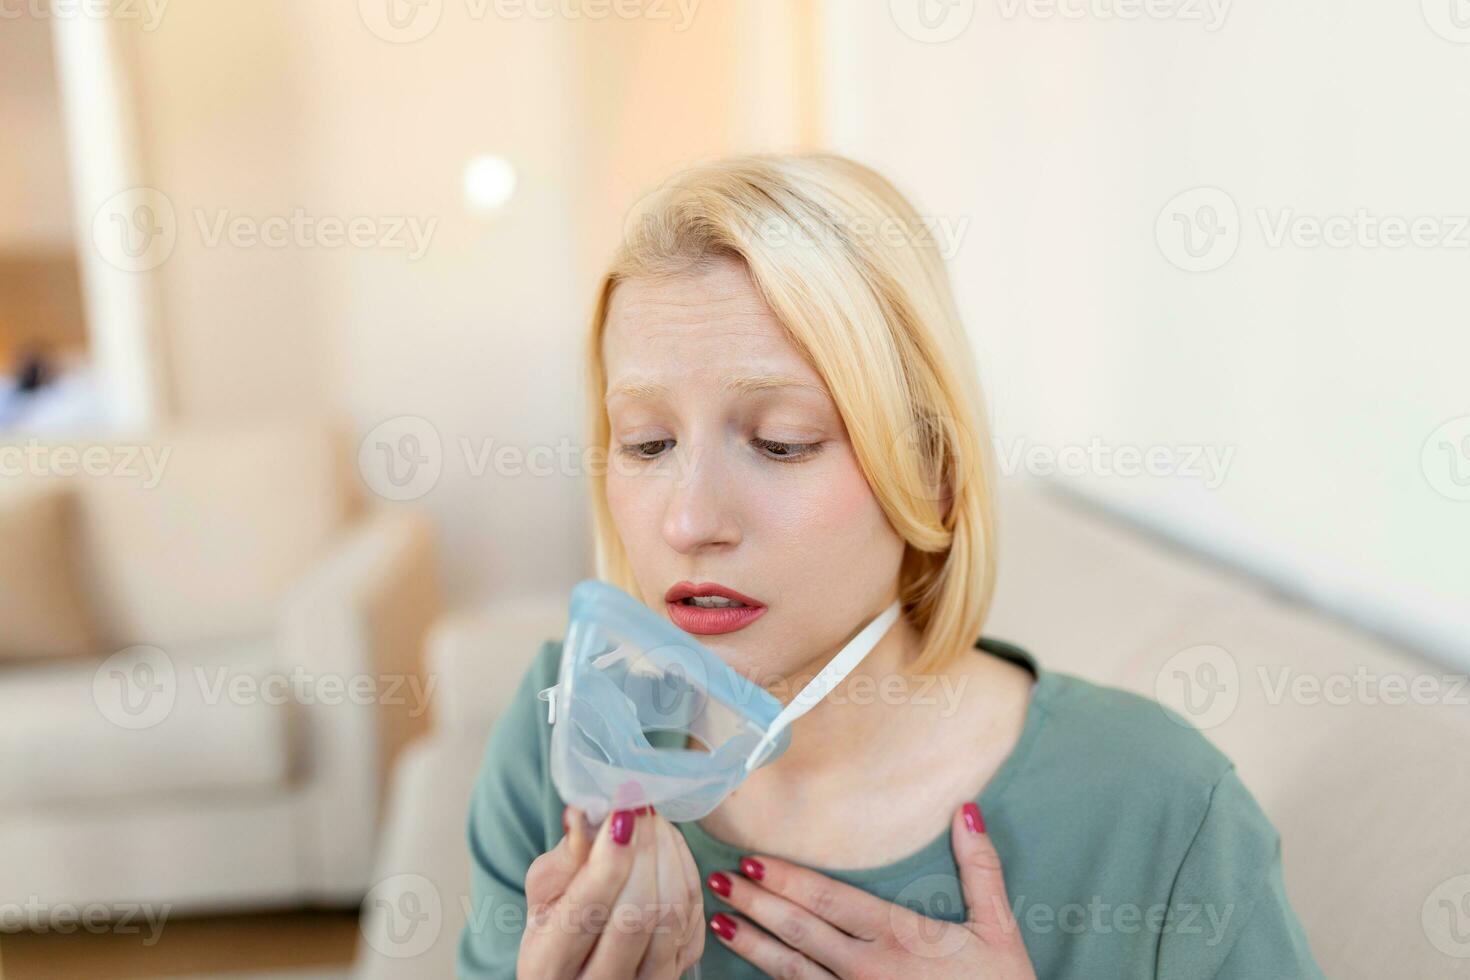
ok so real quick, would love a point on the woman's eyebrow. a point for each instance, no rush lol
(741, 385)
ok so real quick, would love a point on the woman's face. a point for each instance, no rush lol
(730, 466)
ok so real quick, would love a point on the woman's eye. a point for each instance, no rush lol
(786, 450)
(646, 450)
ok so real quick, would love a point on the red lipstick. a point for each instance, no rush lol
(706, 620)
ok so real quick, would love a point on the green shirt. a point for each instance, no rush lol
(1129, 844)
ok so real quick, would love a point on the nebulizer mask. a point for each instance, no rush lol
(634, 689)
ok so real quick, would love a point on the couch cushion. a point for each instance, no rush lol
(194, 534)
(146, 723)
(1353, 748)
(41, 603)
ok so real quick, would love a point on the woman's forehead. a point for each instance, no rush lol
(694, 326)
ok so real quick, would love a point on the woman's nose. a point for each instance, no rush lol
(700, 512)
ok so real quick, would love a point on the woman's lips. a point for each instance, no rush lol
(710, 619)
(725, 619)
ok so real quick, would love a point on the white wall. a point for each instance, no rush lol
(257, 110)
(1060, 140)
(35, 212)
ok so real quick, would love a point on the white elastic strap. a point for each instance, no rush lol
(827, 678)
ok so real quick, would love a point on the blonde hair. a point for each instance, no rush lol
(846, 265)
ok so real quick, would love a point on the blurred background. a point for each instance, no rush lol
(292, 480)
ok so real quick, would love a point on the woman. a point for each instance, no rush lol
(796, 438)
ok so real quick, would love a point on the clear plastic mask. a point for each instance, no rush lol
(643, 714)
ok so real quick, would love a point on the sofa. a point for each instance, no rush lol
(1368, 788)
(212, 657)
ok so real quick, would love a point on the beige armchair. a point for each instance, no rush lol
(216, 659)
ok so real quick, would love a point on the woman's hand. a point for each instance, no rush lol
(804, 924)
(623, 903)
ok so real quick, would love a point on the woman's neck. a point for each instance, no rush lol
(878, 730)
(856, 715)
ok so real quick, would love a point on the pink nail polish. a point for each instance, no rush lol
(752, 868)
(622, 826)
(723, 925)
(719, 883)
(973, 819)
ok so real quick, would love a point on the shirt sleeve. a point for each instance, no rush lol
(508, 827)
(1228, 916)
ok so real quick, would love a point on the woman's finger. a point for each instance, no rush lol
(628, 918)
(771, 957)
(548, 876)
(692, 946)
(671, 904)
(796, 927)
(850, 909)
(564, 932)
(982, 880)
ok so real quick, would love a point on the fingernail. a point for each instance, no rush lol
(973, 820)
(752, 868)
(719, 883)
(643, 810)
(566, 828)
(622, 825)
(723, 925)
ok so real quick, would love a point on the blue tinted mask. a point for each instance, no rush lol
(634, 688)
